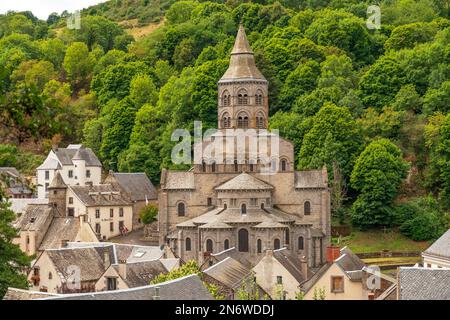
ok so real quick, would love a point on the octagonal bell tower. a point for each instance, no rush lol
(243, 90)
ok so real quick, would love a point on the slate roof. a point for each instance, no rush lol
(229, 272)
(244, 181)
(11, 171)
(141, 273)
(66, 155)
(20, 294)
(57, 181)
(234, 254)
(290, 262)
(186, 288)
(100, 195)
(309, 179)
(416, 283)
(242, 64)
(137, 185)
(441, 247)
(35, 217)
(179, 180)
(61, 228)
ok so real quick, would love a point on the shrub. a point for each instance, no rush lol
(149, 214)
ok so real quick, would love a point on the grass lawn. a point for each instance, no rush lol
(378, 240)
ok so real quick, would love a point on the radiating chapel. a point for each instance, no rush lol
(217, 206)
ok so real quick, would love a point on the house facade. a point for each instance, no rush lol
(438, 254)
(76, 164)
(250, 202)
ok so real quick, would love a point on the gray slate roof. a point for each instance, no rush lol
(20, 294)
(140, 274)
(290, 262)
(101, 195)
(186, 288)
(61, 228)
(229, 272)
(11, 171)
(416, 283)
(441, 247)
(35, 217)
(137, 185)
(244, 181)
(66, 155)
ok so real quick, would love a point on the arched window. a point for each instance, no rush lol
(226, 98)
(203, 166)
(181, 209)
(188, 244)
(225, 206)
(243, 240)
(209, 245)
(251, 167)
(259, 246)
(213, 167)
(260, 122)
(307, 208)
(259, 98)
(243, 120)
(50, 276)
(262, 205)
(242, 97)
(243, 208)
(236, 166)
(276, 244)
(300, 243)
(283, 165)
(226, 120)
(226, 244)
(287, 237)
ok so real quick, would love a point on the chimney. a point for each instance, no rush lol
(333, 252)
(64, 243)
(304, 267)
(106, 258)
(123, 269)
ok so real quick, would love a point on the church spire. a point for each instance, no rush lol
(242, 63)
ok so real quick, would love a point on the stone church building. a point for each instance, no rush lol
(218, 205)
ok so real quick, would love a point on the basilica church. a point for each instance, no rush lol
(216, 206)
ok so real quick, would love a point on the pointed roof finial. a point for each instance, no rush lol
(241, 45)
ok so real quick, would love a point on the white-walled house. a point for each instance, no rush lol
(77, 165)
(438, 254)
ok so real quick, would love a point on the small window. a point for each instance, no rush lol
(111, 213)
(181, 209)
(213, 167)
(97, 228)
(251, 167)
(50, 276)
(111, 283)
(120, 212)
(97, 213)
(287, 236)
(300, 243)
(276, 244)
(262, 205)
(307, 208)
(209, 245)
(243, 208)
(47, 175)
(209, 202)
(70, 200)
(279, 280)
(283, 165)
(46, 186)
(188, 244)
(225, 206)
(259, 246)
(243, 240)
(203, 166)
(337, 284)
(236, 166)
(111, 226)
(88, 173)
(226, 244)
(55, 192)
(70, 174)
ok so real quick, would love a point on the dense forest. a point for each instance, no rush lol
(371, 105)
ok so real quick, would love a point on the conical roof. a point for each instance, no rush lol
(242, 63)
(57, 182)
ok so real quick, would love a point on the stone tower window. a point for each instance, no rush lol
(276, 244)
(243, 121)
(242, 97)
(243, 240)
(287, 236)
(188, 244)
(226, 120)
(259, 246)
(209, 245)
(226, 98)
(243, 208)
(300, 243)
(181, 209)
(226, 244)
(283, 165)
(307, 208)
(259, 98)
(260, 122)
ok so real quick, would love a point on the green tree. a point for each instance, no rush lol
(8, 155)
(149, 214)
(437, 100)
(78, 64)
(13, 262)
(143, 90)
(377, 176)
(408, 11)
(409, 35)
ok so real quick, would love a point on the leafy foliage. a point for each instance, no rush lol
(149, 214)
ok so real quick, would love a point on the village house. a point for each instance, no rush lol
(78, 267)
(438, 254)
(346, 277)
(78, 166)
(216, 206)
(43, 227)
(14, 184)
(280, 273)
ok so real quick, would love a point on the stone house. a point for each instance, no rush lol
(77, 165)
(252, 201)
(280, 273)
(438, 254)
(14, 184)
